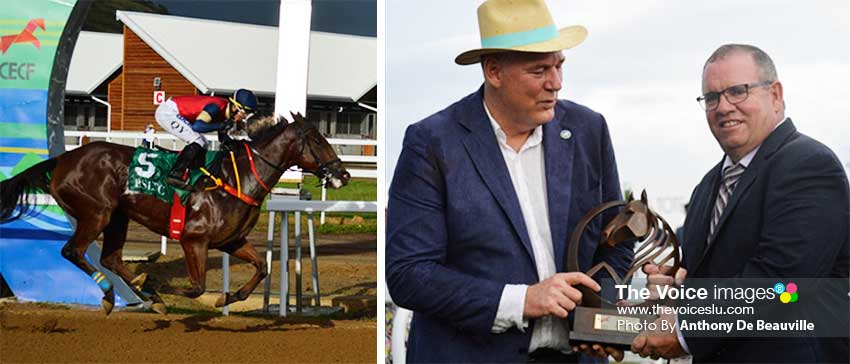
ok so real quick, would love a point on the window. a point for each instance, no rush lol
(321, 120)
(100, 116)
(70, 114)
(352, 123)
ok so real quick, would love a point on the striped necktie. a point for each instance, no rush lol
(727, 185)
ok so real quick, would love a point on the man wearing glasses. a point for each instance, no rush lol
(776, 206)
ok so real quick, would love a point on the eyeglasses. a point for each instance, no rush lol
(734, 94)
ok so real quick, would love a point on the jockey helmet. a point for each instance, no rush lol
(244, 100)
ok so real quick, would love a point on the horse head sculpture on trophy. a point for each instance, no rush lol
(596, 320)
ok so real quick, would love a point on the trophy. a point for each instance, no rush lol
(596, 320)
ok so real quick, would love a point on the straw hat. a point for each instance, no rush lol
(522, 26)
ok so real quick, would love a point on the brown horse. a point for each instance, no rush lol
(90, 184)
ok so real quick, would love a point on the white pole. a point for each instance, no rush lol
(163, 245)
(293, 60)
(324, 198)
(225, 281)
(284, 265)
(108, 113)
(293, 57)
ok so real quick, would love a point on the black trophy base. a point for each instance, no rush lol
(607, 327)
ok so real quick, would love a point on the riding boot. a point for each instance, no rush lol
(184, 161)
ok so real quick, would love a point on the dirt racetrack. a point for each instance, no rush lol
(50, 334)
(196, 332)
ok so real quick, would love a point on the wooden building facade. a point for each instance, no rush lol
(131, 93)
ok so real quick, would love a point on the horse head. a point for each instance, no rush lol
(314, 154)
(633, 222)
(298, 144)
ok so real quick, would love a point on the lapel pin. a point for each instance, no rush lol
(566, 134)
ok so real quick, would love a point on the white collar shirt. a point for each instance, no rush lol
(528, 176)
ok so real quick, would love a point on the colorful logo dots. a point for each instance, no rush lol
(787, 293)
(791, 287)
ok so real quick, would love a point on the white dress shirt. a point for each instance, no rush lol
(528, 176)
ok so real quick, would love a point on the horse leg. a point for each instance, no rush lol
(114, 237)
(195, 254)
(88, 229)
(243, 250)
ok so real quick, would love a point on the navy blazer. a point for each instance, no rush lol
(787, 217)
(455, 231)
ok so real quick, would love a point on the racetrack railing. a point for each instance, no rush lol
(359, 165)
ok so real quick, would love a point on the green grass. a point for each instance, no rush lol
(358, 189)
(370, 226)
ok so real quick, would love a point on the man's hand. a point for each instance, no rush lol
(599, 351)
(659, 343)
(660, 276)
(556, 295)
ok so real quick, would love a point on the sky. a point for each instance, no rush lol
(641, 67)
(356, 17)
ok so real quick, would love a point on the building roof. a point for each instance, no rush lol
(96, 57)
(222, 56)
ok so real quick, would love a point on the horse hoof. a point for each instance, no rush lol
(107, 306)
(222, 300)
(159, 308)
(139, 281)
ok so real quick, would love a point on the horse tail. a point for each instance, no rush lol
(17, 190)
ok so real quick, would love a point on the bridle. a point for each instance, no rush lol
(303, 134)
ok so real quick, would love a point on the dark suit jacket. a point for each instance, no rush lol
(455, 231)
(787, 217)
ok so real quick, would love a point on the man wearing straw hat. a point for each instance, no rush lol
(486, 194)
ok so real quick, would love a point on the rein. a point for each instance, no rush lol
(237, 192)
(254, 169)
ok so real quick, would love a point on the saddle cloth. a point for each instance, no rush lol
(148, 169)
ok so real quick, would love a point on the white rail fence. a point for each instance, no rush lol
(367, 163)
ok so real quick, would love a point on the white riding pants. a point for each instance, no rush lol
(168, 117)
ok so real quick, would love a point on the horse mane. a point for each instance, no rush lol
(263, 128)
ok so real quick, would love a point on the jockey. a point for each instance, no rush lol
(188, 116)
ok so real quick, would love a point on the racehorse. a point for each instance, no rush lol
(91, 184)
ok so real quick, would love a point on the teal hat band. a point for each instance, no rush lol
(521, 38)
